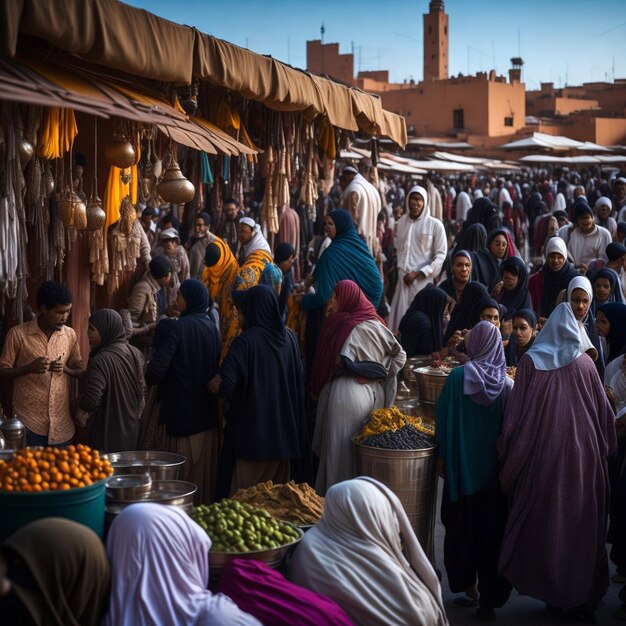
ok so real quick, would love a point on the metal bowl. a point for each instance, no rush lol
(160, 465)
(273, 557)
(128, 487)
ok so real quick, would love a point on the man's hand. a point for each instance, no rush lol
(411, 276)
(38, 366)
(57, 365)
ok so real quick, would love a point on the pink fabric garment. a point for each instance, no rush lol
(557, 433)
(352, 309)
(289, 232)
(267, 595)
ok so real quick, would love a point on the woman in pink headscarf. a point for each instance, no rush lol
(354, 372)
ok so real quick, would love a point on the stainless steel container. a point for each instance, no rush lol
(160, 465)
(411, 475)
(128, 487)
(14, 433)
(171, 492)
(430, 382)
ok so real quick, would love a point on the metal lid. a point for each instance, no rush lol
(11, 424)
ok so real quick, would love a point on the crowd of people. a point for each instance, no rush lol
(258, 357)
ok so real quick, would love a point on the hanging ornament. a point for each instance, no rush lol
(174, 187)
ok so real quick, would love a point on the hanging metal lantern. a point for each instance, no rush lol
(174, 187)
(95, 213)
(72, 210)
(120, 153)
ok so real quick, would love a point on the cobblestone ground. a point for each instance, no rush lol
(519, 610)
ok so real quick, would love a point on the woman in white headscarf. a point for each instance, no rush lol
(160, 571)
(580, 297)
(355, 556)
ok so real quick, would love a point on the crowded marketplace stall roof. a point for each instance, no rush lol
(99, 32)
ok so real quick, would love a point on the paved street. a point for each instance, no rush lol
(519, 610)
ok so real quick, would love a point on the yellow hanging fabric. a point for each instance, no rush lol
(57, 133)
(228, 119)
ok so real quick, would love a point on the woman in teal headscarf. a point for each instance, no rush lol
(347, 257)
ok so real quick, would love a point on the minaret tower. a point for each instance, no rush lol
(435, 42)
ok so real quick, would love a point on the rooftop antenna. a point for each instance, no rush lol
(322, 31)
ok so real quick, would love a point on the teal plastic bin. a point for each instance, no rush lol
(84, 505)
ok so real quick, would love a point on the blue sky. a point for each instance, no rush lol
(561, 41)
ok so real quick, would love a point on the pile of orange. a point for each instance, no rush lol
(50, 469)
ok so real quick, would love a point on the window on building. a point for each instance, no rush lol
(445, 30)
(458, 118)
(430, 30)
(508, 121)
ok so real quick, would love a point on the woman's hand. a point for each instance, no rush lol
(214, 384)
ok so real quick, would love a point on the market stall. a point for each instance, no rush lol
(87, 114)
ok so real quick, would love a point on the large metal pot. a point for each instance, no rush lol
(160, 465)
(411, 475)
(430, 382)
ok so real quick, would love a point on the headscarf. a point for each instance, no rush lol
(111, 328)
(160, 571)
(364, 553)
(588, 331)
(462, 316)
(160, 266)
(487, 303)
(353, 308)
(448, 284)
(517, 297)
(258, 242)
(473, 238)
(527, 314)
(558, 342)
(68, 565)
(127, 321)
(221, 265)
(265, 593)
(271, 276)
(283, 252)
(486, 266)
(555, 282)
(615, 312)
(485, 212)
(485, 373)
(196, 296)
(259, 305)
(423, 322)
(347, 257)
(616, 291)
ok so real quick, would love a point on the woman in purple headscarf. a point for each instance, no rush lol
(473, 510)
(557, 433)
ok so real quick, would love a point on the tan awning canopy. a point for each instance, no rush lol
(32, 82)
(135, 41)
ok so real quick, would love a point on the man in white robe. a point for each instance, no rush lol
(363, 201)
(421, 247)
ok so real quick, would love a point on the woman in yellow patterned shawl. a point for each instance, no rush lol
(219, 275)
